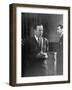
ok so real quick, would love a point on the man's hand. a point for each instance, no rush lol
(45, 54)
(42, 55)
(39, 55)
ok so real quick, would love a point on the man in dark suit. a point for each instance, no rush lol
(60, 51)
(35, 54)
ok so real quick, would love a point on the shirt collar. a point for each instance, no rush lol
(36, 37)
(61, 35)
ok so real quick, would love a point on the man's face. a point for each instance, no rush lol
(39, 30)
(59, 30)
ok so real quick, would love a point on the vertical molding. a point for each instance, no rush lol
(12, 56)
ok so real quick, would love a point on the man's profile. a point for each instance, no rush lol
(60, 51)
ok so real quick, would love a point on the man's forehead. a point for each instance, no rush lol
(40, 26)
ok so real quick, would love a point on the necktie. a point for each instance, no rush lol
(40, 41)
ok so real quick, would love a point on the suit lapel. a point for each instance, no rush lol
(35, 41)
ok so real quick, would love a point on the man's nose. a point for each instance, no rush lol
(57, 30)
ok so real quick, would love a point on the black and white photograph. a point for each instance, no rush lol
(41, 44)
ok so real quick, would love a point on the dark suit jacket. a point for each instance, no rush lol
(60, 57)
(32, 64)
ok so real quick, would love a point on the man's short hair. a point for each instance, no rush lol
(35, 26)
(61, 26)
